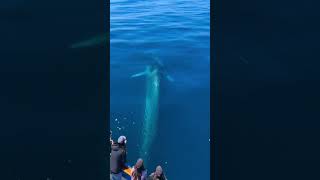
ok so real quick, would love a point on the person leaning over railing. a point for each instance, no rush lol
(118, 158)
(139, 172)
(157, 175)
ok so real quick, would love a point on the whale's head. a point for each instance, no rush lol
(157, 64)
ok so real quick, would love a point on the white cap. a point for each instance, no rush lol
(122, 139)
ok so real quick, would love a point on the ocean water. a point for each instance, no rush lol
(178, 33)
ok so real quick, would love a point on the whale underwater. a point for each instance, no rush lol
(153, 74)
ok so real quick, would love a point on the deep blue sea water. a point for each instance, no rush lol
(178, 33)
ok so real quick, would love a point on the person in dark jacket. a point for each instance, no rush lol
(118, 158)
(139, 172)
(111, 141)
(158, 174)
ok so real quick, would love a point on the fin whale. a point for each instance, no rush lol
(153, 74)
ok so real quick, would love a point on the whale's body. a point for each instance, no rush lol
(151, 110)
(153, 75)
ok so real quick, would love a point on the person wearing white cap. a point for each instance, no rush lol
(118, 158)
(122, 140)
